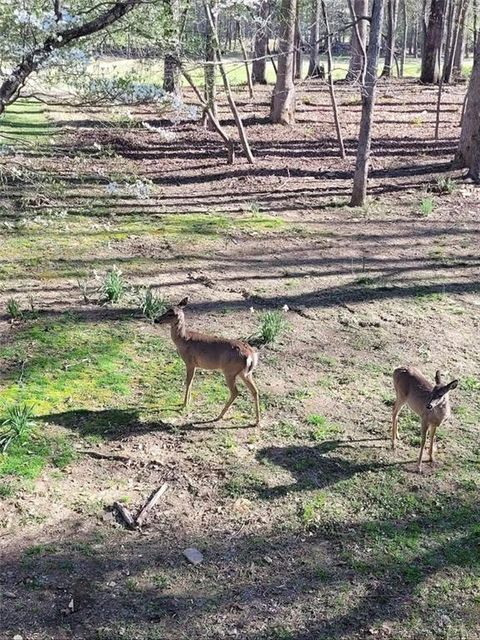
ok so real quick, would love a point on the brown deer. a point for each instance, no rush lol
(199, 350)
(430, 402)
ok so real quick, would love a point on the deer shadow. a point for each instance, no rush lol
(313, 467)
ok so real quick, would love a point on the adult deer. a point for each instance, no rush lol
(236, 359)
(429, 401)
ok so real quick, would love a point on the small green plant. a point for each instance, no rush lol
(254, 208)
(16, 425)
(427, 206)
(152, 305)
(113, 286)
(272, 325)
(322, 429)
(445, 185)
(132, 584)
(471, 383)
(14, 310)
(160, 581)
(312, 509)
(6, 490)
(417, 121)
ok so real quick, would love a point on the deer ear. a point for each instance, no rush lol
(438, 377)
(452, 385)
(183, 303)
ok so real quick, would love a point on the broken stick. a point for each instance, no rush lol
(151, 502)
(126, 515)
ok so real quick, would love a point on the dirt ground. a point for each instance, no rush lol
(310, 526)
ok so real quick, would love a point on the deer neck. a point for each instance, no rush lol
(178, 330)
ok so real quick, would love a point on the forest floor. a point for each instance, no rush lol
(310, 526)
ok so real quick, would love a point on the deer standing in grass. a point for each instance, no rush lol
(430, 402)
(236, 359)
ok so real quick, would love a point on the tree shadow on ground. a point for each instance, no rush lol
(304, 585)
(313, 467)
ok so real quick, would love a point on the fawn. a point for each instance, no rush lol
(199, 350)
(430, 402)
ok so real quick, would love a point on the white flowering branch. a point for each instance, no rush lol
(13, 84)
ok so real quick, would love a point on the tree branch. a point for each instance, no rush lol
(30, 63)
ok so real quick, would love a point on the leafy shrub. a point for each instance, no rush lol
(14, 310)
(16, 425)
(152, 305)
(113, 286)
(426, 206)
(272, 325)
(445, 185)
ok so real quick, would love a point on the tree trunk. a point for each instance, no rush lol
(216, 125)
(233, 107)
(298, 48)
(245, 60)
(171, 63)
(11, 87)
(210, 86)
(460, 48)
(359, 192)
(403, 53)
(283, 99)
(314, 68)
(392, 11)
(449, 40)
(358, 40)
(468, 152)
(433, 42)
(261, 46)
(331, 87)
(475, 11)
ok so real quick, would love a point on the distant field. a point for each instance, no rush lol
(153, 71)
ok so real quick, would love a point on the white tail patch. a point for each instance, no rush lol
(252, 362)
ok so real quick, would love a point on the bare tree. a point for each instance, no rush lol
(283, 98)
(459, 52)
(392, 12)
(314, 68)
(358, 10)
(233, 107)
(245, 59)
(297, 68)
(261, 46)
(336, 118)
(359, 192)
(171, 69)
(455, 41)
(433, 42)
(210, 68)
(403, 53)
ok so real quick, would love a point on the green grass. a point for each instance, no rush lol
(153, 72)
(25, 122)
(321, 429)
(38, 249)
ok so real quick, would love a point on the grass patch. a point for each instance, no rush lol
(427, 206)
(322, 429)
(25, 121)
(272, 325)
(29, 459)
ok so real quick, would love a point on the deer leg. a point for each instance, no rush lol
(248, 380)
(188, 384)
(397, 405)
(422, 446)
(430, 450)
(230, 380)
